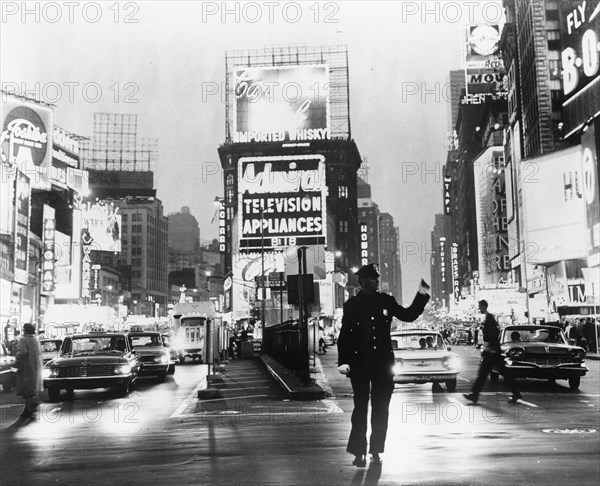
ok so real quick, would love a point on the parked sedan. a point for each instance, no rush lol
(8, 377)
(153, 355)
(94, 360)
(424, 357)
(541, 352)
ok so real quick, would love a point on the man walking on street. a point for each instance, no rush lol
(491, 356)
(367, 357)
(29, 374)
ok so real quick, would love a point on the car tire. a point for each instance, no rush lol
(574, 382)
(7, 386)
(162, 377)
(494, 376)
(171, 370)
(182, 359)
(451, 385)
(53, 393)
(126, 388)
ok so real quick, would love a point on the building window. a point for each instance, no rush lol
(124, 218)
(343, 225)
(229, 195)
(343, 191)
(229, 213)
(229, 181)
(553, 37)
(556, 97)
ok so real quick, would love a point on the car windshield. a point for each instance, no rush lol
(50, 346)
(417, 341)
(146, 340)
(540, 335)
(93, 345)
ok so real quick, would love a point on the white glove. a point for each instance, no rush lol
(344, 369)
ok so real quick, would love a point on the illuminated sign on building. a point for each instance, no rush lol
(364, 244)
(447, 201)
(281, 103)
(104, 225)
(65, 148)
(21, 229)
(581, 57)
(86, 263)
(49, 254)
(222, 228)
(591, 193)
(443, 258)
(281, 201)
(455, 277)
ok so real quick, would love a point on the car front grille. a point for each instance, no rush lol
(84, 371)
(147, 359)
(545, 361)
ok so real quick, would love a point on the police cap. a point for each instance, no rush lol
(369, 270)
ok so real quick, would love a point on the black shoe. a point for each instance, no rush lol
(515, 398)
(471, 397)
(359, 461)
(376, 459)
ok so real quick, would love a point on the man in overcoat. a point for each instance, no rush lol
(29, 374)
(365, 354)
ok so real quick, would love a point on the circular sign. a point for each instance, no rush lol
(484, 40)
(589, 176)
(227, 284)
(26, 131)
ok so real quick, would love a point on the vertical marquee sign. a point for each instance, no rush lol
(48, 255)
(364, 244)
(281, 201)
(22, 214)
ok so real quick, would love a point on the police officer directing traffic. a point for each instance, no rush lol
(365, 354)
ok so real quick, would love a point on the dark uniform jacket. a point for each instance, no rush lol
(365, 334)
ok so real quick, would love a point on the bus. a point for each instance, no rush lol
(190, 322)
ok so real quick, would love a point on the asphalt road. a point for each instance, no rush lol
(251, 435)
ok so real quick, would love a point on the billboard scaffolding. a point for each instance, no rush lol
(115, 145)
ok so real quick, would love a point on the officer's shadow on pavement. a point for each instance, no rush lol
(370, 476)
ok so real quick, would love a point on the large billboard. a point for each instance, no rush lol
(103, 223)
(281, 201)
(555, 206)
(26, 139)
(484, 68)
(281, 103)
(580, 57)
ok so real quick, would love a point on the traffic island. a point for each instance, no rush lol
(293, 386)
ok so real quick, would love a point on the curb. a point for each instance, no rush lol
(291, 384)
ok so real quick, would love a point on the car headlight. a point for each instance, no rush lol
(122, 370)
(451, 362)
(397, 369)
(577, 353)
(516, 352)
(49, 373)
(161, 359)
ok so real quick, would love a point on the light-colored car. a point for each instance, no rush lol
(423, 356)
(8, 377)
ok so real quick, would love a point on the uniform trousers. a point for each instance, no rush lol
(378, 382)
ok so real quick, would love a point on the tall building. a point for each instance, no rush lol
(538, 36)
(289, 168)
(184, 240)
(119, 164)
(379, 240)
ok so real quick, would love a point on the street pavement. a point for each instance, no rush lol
(252, 434)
